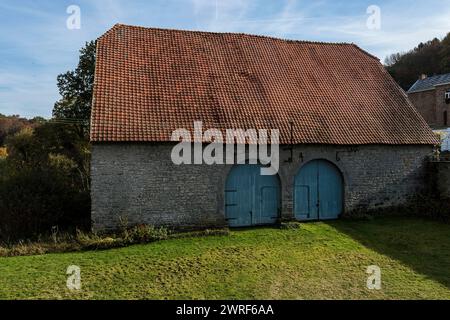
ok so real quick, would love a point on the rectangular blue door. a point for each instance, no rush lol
(239, 195)
(251, 198)
(306, 193)
(268, 211)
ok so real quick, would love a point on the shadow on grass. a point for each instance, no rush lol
(422, 245)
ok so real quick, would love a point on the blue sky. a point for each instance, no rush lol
(36, 45)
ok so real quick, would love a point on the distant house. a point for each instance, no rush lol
(431, 97)
(350, 139)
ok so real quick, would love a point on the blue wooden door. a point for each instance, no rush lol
(318, 191)
(250, 198)
(238, 197)
(305, 193)
(331, 191)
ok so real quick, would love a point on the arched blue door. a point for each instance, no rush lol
(318, 192)
(251, 198)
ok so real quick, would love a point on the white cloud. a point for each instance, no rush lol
(402, 27)
(107, 11)
(36, 48)
(397, 33)
(26, 94)
(215, 15)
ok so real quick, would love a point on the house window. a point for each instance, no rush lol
(447, 97)
(445, 118)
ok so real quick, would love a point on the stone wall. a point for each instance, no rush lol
(139, 182)
(442, 178)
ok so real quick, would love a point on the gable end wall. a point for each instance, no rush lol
(425, 103)
(431, 105)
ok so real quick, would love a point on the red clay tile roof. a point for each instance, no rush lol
(149, 82)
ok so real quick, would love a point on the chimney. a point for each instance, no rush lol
(423, 76)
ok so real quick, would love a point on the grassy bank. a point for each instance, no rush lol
(317, 261)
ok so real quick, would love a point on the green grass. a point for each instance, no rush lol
(317, 261)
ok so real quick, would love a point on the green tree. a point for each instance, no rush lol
(37, 148)
(76, 88)
(60, 139)
(44, 173)
(21, 149)
(10, 125)
(430, 58)
(44, 181)
(445, 54)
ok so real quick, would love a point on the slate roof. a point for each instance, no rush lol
(149, 82)
(430, 83)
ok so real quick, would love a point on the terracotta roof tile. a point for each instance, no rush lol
(149, 82)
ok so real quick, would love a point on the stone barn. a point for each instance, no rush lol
(349, 139)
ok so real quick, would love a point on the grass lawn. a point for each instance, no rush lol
(317, 261)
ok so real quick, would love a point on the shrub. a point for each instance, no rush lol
(144, 234)
(44, 183)
(34, 200)
(431, 207)
(445, 156)
(79, 241)
(425, 205)
(290, 225)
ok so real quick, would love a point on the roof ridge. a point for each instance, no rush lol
(430, 82)
(437, 75)
(239, 34)
(415, 83)
(366, 52)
